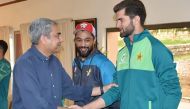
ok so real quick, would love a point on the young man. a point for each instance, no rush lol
(90, 67)
(40, 81)
(146, 74)
(5, 73)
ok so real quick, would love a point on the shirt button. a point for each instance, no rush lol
(51, 75)
(55, 97)
(53, 86)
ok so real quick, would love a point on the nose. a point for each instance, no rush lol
(61, 39)
(83, 43)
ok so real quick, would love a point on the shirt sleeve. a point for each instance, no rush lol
(107, 70)
(75, 92)
(112, 94)
(27, 86)
(5, 70)
(167, 74)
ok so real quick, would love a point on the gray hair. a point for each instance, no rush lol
(39, 27)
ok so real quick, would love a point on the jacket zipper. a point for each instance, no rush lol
(149, 104)
(130, 52)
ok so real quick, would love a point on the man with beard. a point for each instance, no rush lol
(146, 74)
(90, 67)
(40, 81)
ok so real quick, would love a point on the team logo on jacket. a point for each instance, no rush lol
(75, 69)
(139, 56)
(88, 72)
(123, 58)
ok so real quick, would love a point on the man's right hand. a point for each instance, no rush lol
(75, 107)
(107, 87)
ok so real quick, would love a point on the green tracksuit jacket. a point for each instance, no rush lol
(5, 73)
(146, 76)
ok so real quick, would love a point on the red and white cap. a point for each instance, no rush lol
(85, 26)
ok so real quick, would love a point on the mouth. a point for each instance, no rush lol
(59, 46)
(83, 50)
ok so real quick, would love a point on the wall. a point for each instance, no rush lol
(159, 11)
(167, 11)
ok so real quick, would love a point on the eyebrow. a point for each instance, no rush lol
(84, 38)
(118, 19)
(59, 33)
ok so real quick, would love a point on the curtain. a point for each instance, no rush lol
(25, 39)
(67, 53)
(5, 32)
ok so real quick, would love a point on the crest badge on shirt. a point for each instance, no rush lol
(88, 72)
(123, 58)
(139, 56)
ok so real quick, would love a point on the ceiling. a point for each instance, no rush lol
(8, 2)
(5, 1)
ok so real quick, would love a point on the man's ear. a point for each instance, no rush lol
(43, 39)
(136, 20)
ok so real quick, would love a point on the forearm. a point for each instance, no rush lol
(100, 102)
(168, 79)
(173, 93)
(171, 102)
(97, 104)
(100, 90)
(96, 91)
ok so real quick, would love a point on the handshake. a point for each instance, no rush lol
(71, 107)
(97, 104)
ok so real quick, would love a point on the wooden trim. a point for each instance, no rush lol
(168, 25)
(11, 2)
(107, 31)
(112, 30)
(158, 26)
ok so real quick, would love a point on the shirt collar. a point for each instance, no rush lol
(39, 54)
(1, 60)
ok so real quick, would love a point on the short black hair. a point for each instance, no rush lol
(4, 46)
(132, 8)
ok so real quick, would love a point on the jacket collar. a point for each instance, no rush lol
(136, 37)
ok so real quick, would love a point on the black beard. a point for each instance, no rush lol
(84, 55)
(128, 30)
(126, 33)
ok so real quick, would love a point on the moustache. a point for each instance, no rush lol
(83, 47)
(59, 44)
